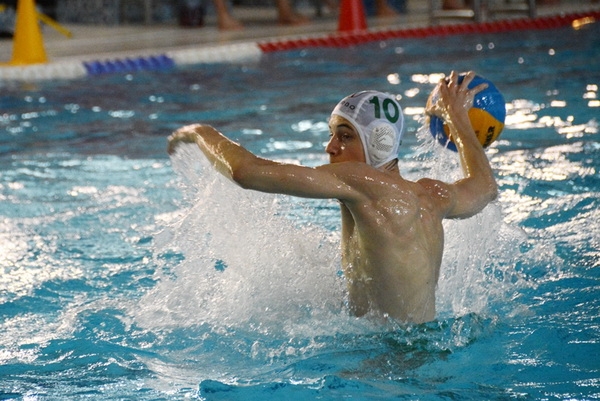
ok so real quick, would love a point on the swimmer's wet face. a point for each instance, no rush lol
(344, 142)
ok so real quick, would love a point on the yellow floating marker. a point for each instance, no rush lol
(28, 44)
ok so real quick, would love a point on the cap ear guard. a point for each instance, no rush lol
(380, 142)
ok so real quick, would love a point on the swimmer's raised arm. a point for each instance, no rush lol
(471, 194)
(252, 172)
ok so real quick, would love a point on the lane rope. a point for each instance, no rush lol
(357, 38)
(231, 53)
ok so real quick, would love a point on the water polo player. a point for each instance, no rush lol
(392, 236)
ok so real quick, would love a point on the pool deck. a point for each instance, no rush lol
(94, 42)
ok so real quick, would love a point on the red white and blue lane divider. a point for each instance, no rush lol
(71, 69)
(360, 37)
(151, 63)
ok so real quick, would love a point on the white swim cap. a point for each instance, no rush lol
(379, 121)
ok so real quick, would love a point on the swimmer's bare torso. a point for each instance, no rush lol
(392, 248)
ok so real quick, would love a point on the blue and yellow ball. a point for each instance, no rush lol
(487, 115)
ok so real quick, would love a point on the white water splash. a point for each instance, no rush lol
(479, 253)
(248, 264)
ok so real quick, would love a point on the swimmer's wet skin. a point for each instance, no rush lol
(392, 234)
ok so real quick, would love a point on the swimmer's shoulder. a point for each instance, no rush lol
(433, 187)
(349, 169)
(435, 194)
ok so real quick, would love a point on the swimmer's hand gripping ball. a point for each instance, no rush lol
(487, 115)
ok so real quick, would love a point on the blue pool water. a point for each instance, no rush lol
(129, 275)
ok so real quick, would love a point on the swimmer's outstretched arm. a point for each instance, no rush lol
(252, 172)
(471, 194)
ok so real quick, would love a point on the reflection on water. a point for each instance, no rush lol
(115, 287)
(522, 114)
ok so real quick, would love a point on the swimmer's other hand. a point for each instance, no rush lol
(454, 93)
(187, 134)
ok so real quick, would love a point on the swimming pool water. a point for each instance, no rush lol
(130, 275)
